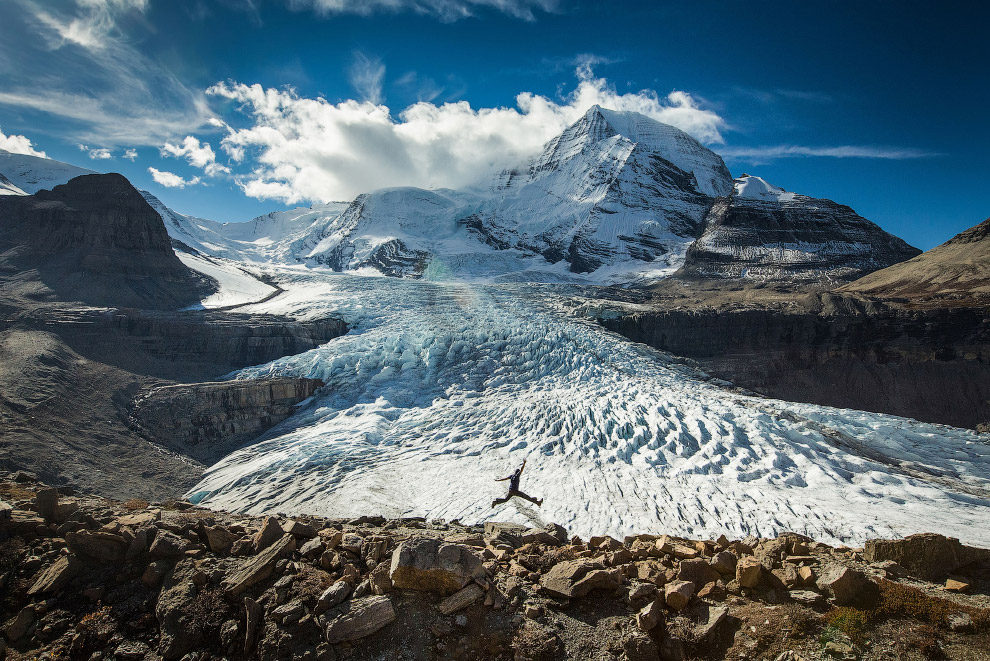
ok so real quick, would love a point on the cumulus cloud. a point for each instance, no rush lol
(445, 10)
(131, 154)
(198, 154)
(18, 144)
(308, 149)
(171, 180)
(97, 153)
(842, 151)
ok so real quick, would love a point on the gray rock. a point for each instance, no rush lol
(56, 576)
(845, 585)
(300, 529)
(178, 634)
(358, 618)
(807, 597)
(960, 622)
(253, 614)
(576, 578)
(650, 615)
(168, 546)
(725, 563)
(461, 599)
(97, 544)
(289, 613)
(20, 624)
(697, 571)
(332, 596)
(46, 502)
(434, 566)
(259, 567)
(270, 533)
(219, 539)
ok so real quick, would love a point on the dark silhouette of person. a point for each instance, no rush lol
(514, 488)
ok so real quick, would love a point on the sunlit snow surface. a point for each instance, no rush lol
(440, 388)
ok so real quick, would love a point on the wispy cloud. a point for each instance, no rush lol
(842, 151)
(76, 60)
(366, 75)
(171, 180)
(444, 10)
(19, 144)
(198, 154)
(97, 153)
(310, 149)
(131, 154)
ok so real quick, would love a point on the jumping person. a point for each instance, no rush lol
(514, 488)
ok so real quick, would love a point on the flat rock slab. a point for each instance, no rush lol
(358, 618)
(56, 576)
(259, 567)
(461, 599)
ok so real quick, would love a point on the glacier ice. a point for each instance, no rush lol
(441, 387)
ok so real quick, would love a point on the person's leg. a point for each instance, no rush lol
(499, 501)
(536, 501)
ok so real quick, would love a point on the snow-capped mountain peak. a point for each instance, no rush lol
(757, 188)
(33, 173)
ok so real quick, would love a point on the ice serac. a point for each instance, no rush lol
(763, 232)
(96, 240)
(616, 197)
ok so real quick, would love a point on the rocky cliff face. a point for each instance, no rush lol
(96, 240)
(931, 365)
(761, 232)
(209, 420)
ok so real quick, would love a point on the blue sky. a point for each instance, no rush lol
(255, 105)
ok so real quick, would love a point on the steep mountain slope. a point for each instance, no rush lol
(763, 232)
(954, 273)
(32, 173)
(96, 240)
(7, 187)
(277, 237)
(617, 196)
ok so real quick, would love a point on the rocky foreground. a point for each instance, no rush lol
(83, 577)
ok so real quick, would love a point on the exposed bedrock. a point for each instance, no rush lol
(932, 365)
(208, 420)
(189, 346)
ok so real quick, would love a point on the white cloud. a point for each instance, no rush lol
(92, 24)
(97, 153)
(171, 180)
(311, 149)
(366, 75)
(131, 154)
(842, 151)
(78, 61)
(445, 10)
(18, 144)
(198, 154)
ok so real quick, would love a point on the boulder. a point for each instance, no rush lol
(312, 549)
(956, 585)
(379, 579)
(697, 571)
(550, 534)
(725, 563)
(168, 545)
(434, 566)
(270, 533)
(504, 534)
(332, 596)
(788, 575)
(140, 519)
(56, 576)
(259, 567)
(352, 542)
(461, 599)
(178, 634)
(45, 503)
(20, 624)
(677, 594)
(807, 597)
(925, 555)
(137, 545)
(300, 529)
(576, 578)
(97, 545)
(219, 539)
(358, 618)
(748, 571)
(650, 615)
(960, 622)
(845, 585)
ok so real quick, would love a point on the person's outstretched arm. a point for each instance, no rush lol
(502, 479)
(523, 466)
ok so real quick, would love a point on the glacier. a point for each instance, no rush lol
(442, 386)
